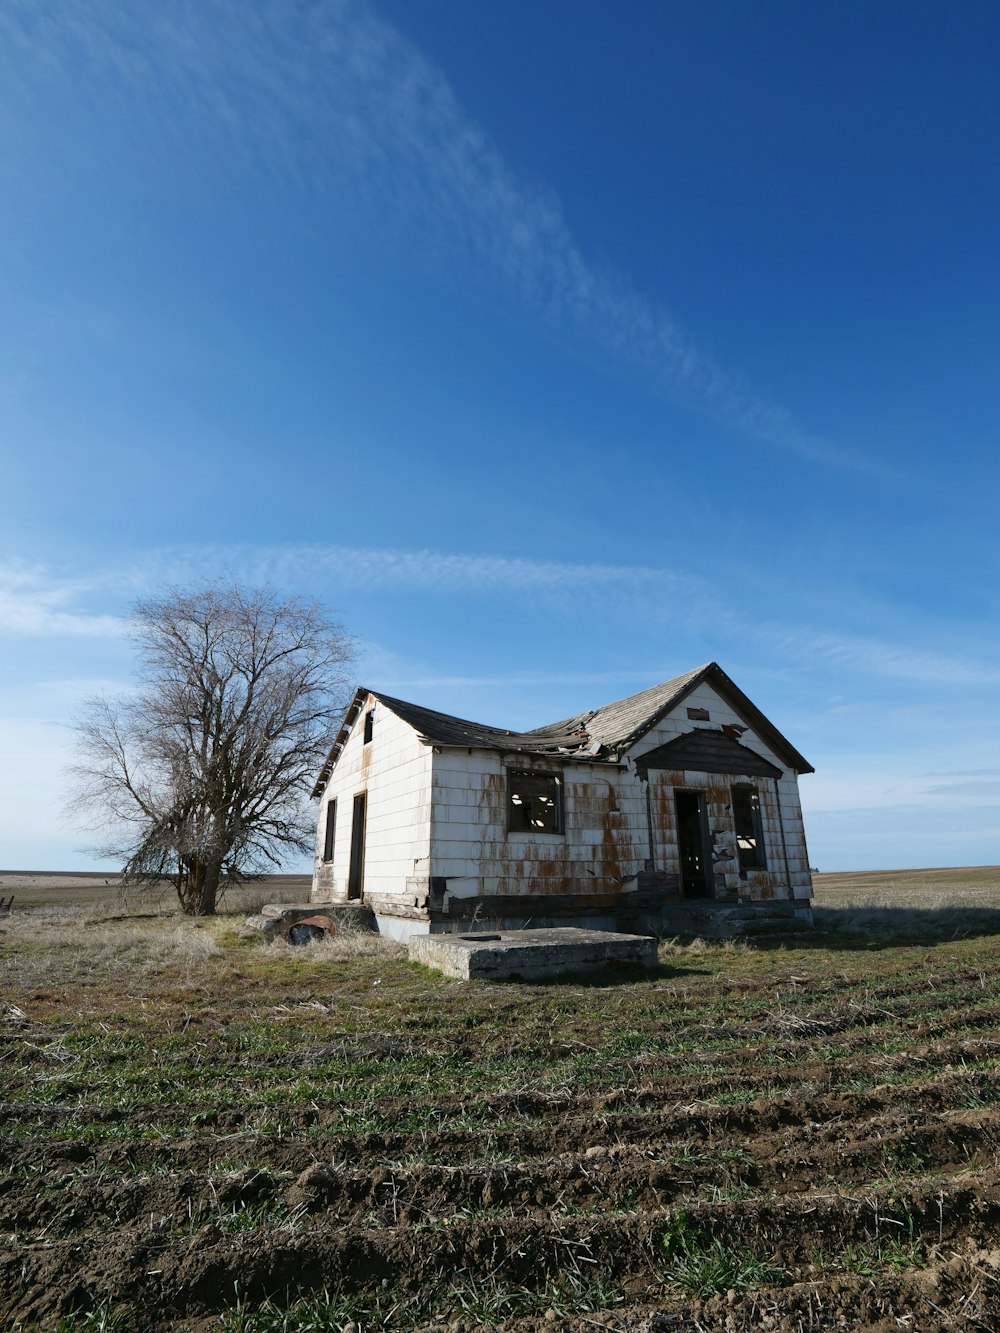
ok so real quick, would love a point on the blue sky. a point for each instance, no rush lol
(558, 348)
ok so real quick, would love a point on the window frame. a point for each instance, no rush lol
(330, 832)
(740, 790)
(519, 817)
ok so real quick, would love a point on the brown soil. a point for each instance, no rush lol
(244, 1142)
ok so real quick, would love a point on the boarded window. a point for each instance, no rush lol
(330, 832)
(534, 802)
(698, 715)
(369, 725)
(749, 835)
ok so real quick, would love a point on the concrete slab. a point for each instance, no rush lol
(532, 955)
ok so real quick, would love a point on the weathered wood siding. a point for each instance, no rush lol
(394, 771)
(780, 808)
(437, 821)
(472, 849)
(607, 842)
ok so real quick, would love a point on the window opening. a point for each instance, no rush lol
(369, 725)
(534, 802)
(330, 832)
(698, 715)
(356, 870)
(749, 833)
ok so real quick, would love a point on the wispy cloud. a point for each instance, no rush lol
(34, 604)
(332, 96)
(877, 657)
(37, 601)
(674, 596)
(431, 573)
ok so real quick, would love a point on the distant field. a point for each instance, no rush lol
(67, 888)
(970, 885)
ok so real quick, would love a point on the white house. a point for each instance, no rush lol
(675, 809)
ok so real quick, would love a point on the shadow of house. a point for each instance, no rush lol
(881, 927)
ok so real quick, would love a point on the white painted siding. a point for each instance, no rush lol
(473, 850)
(437, 820)
(394, 771)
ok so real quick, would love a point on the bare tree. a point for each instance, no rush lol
(202, 773)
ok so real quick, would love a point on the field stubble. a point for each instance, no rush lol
(201, 1132)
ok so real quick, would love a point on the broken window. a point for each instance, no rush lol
(749, 834)
(369, 725)
(534, 802)
(330, 832)
(698, 715)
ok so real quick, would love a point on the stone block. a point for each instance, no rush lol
(530, 955)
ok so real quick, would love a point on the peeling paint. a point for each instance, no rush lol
(444, 808)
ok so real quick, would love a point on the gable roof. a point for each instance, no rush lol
(600, 736)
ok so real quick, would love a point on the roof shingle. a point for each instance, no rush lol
(600, 736)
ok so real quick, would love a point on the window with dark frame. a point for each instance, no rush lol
(749, 833)
(698, 715)
(369, 725)
(534, 802)
(330, 831)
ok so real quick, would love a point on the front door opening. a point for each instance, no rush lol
(356, 874)
(696, 875)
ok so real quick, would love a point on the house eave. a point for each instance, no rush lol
(346, 724)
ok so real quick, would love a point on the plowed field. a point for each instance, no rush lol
(201, 1132)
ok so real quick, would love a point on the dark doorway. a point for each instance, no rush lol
(356, 874)
(692, 841)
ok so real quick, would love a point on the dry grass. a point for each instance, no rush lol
(968, 886)
(49, 946)
(65, 944)
(672, 947)
(347, 943)
(46, 945)
(73, 889)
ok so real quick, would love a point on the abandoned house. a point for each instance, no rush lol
(674, 810)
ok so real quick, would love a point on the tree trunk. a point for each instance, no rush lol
(198, 886)
(209, 890)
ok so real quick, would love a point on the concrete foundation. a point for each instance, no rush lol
(702, 917)
(531, 955)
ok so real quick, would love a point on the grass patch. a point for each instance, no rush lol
(704, 1266)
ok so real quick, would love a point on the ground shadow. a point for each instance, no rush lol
(622, 974)
(855, 928)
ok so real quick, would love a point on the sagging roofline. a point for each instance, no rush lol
(602, 736)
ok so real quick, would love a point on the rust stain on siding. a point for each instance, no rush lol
(493, 789)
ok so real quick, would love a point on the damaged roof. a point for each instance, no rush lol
(600, 736)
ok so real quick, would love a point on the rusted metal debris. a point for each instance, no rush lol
(309, 929)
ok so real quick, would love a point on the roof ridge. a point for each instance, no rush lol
(599, 736)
